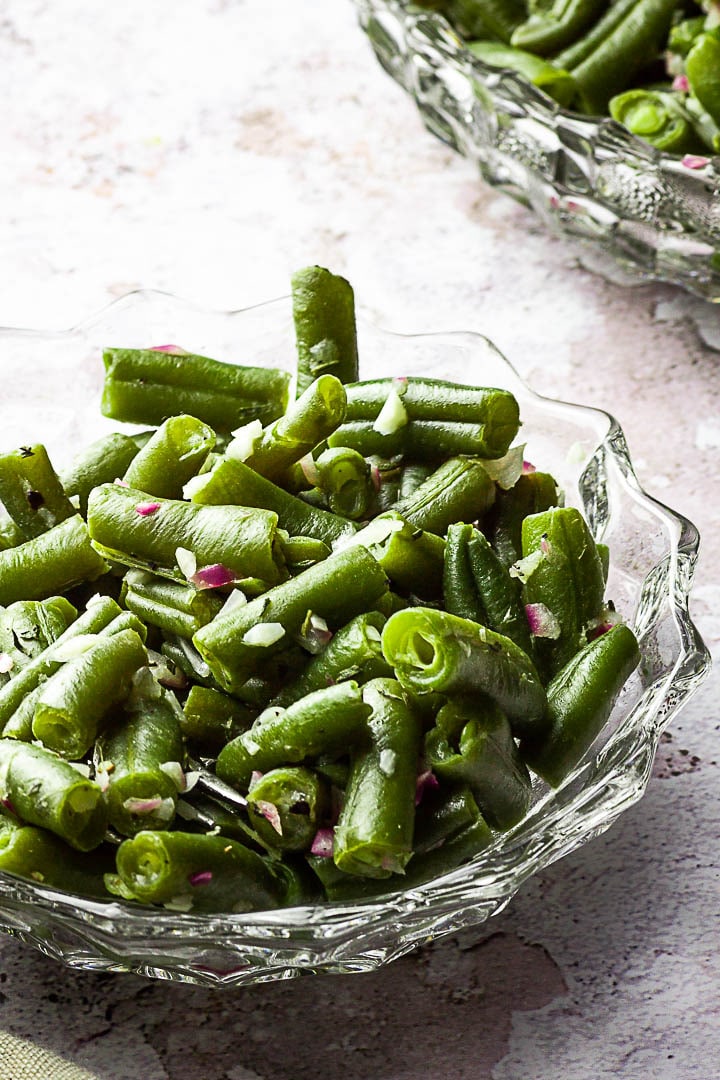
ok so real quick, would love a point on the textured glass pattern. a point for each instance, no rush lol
(656, 216)
(653, 552)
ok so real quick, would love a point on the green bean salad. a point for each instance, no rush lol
(271, 652)
(650, 64)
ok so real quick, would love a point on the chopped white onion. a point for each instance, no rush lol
(264, 634)
(186, 561)
(243, 442)
(392, 416)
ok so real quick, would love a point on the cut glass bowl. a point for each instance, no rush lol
(655, 215)
(52, 384)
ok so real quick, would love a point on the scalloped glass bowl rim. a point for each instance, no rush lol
(493, 881)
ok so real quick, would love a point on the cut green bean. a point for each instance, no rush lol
(581, 698)
(174, 608)
(344, 479)
(411, 557)
(101, 462)
(435, 652)
(546, 76)
(373, 836)
(327, 721)
(308, 421)
(325, 334)
(42, 789)
(210, 719)
(28, 627)
(40, 856)
(31, 491)
(50, 563)
(233, 482)
(472, 743)
(287, 805)
(131, 529)
(459, 490)
(197, 872)
(354, 652)
(174, 453)
(141, 760)
(336, 590)
(146, 386)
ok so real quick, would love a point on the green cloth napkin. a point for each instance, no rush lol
(22, 1060)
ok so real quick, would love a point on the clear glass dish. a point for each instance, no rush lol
(52, 387)
(589, 178)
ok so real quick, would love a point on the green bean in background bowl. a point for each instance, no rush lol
(601, 116)
(246, 735)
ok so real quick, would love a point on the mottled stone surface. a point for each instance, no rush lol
(209, 148)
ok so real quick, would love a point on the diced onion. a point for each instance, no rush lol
(392, 416)
(264, 634)
(243, 442)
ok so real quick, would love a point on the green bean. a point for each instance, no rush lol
(441, 814)
(175, 608)
(373, 836)
(565, 579)
(50, 563)
(556, 25)
(477, 586)
(353, 652)
(31, 491)
(286, 806)
(438, 400)
(75, 701)
(340, 587)
(324, 317)
(140, 757)
(42, 789)
(210, 719)
(307, 422)
(472, 743)
(91, 621)
(411, 558)
(533, 493)
(554, 81)
(28, 627)
(175, 452)
(702, 67)
(458, 490)
(436, 652)
(40, 856)
(197, 872)
(658, 117)
(10, 535)
(423, 440)
(133, 530)
(146, 386)
(581, 698)
(233, 482)
(101, 462)
(327, 721)
(344, 479)
(499, 18)
(300, 552)
(616, 48)
(412, 475)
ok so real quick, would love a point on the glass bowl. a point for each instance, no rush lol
(52, 385)
(654, 214)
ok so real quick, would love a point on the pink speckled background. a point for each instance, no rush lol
(209, 148)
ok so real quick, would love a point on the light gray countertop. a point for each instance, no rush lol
(209, 149)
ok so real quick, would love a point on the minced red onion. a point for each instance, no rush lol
(695, 161)
(270, 812)
(147, 508)
(681, 83)
(176, 350)
(214, 576)
(528, 467)
(426, 781)
(322, 844)
(542, 622)
(142, 806)
(200, 877)
(120, 483)
(310, 469)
